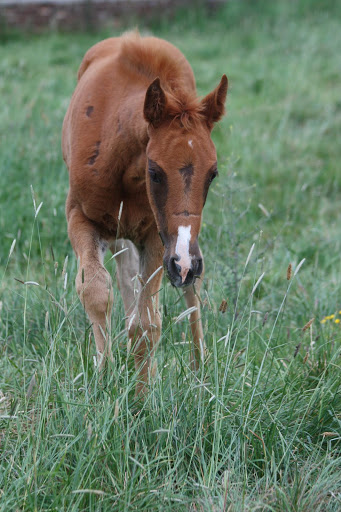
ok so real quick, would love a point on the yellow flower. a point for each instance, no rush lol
(331, 317)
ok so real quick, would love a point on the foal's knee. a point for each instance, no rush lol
(95, 291)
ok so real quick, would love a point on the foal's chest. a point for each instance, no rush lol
(123, 213)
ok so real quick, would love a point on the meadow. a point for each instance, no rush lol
(258, 428)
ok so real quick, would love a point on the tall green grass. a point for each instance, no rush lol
(259, 426)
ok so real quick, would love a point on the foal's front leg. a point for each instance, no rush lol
(145, 321)
(93, 282)
(192, 298)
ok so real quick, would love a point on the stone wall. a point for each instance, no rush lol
(86, 14)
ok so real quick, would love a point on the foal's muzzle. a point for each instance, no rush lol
(180, 276)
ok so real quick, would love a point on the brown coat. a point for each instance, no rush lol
(136, 140)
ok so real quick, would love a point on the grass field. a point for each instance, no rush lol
(259, 427)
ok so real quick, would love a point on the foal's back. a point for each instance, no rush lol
(147, 56)
(111, 74)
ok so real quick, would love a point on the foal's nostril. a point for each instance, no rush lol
(190, 275)
(198, 267)
(174, 268)
(184, 276)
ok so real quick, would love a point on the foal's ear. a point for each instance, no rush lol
(213, 105)
(155, 104)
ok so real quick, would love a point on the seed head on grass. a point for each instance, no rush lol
(297, 348)
(223, 306)
(308, 324)
(289, 272)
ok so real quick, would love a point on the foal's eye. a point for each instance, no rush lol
(213, 175)
(155, 176)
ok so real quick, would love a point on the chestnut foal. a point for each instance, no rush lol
(137, 142)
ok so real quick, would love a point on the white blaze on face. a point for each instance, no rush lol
(182, 250)
(190, 143)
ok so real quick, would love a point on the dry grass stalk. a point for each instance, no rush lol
(154, 369)
(117, 409)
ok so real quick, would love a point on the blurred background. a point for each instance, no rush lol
(90, 14)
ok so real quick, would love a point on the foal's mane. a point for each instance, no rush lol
(149, 57)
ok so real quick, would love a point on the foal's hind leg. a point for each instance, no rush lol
(127, 271)
(191, 295)
(145, 320)
(93, 282)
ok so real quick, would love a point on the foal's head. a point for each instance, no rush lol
(181, 165)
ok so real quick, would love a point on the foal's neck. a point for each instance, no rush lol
(134, 126)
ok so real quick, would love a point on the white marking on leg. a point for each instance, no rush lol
(182, 250)
(190, 143)
(102, 247)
